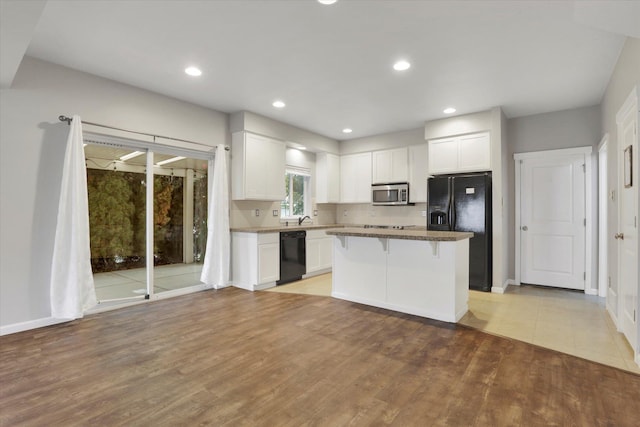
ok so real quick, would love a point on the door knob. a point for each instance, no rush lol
(619, 236)
(524, 228)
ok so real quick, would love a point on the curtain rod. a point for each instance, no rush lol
(69, 119)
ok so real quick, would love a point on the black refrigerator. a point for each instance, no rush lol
(462, 202)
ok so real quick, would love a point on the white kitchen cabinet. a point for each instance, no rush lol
(420, 277)
(474, 152)
(355, 178)
(319, 251)
(390, 166)
(327, 178)
(468, 153)
(418, 173)
(255, 260)
(257, 167)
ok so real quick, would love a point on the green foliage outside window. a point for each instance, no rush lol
(293, 204)
(117, 219)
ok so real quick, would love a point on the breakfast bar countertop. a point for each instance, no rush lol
(418, 233)
(282, 227)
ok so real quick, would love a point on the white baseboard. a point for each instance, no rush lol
(501, 290)
(591, 291)
(31, 324)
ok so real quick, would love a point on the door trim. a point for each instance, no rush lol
(630, 102)
(586, 152)
(603, 215)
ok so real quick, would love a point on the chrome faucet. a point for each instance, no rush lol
(302, 218)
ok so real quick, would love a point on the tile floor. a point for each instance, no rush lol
(131, 283)
(566, 321)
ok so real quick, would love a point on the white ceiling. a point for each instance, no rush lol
(332, 65)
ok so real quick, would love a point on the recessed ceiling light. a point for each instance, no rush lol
(278, 104)
(449, 110)
(401, 66)
(347, 130)
(193, 71)
(327, 1)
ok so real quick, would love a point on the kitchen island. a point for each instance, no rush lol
(414, 271)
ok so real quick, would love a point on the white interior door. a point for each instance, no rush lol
(628, 220)
(552, 220)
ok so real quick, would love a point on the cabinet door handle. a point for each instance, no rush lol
(619, 236)
(524, 228)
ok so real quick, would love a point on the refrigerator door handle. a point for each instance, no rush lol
(452, 207)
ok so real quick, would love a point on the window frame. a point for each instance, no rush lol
(306, 189)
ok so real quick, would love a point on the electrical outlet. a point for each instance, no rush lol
(344, 213)
(257, 212)
(423, 213)
(315, 212)
(275, 212)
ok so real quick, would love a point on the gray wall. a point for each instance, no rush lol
(32, 143)
(550, 131)
(625, 76)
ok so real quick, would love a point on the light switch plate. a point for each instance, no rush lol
(257, 212)
(275, 212)
(423, 213)
(315, 212)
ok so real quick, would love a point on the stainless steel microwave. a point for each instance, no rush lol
(390, 194)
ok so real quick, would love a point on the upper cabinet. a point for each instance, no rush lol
(466, 153)
(390, 166)
(355, 178)
(418, 173)
(327, 178)
(257, 167)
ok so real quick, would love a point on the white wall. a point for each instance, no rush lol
(32, 143)
(625, 76)
(578, 127)
(383, 141)
(255, 123)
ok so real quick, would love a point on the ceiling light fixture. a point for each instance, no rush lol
(193, 71)
(327, 2)
(171, 160)
(401, 65)
(130, 156)
(449, 110)
(302, 148)
(347, 130)
(278, 104)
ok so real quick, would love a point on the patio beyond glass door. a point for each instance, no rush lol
(118, 219)
(180, 212)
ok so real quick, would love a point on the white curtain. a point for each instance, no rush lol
(215, 271)
(72, 288)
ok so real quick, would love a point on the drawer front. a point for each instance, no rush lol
(264, 238)
(316, 234)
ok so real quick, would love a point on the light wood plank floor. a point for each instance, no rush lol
(232, 357)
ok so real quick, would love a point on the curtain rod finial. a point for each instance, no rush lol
(65, 119)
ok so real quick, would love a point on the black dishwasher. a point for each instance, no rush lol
(293, 259)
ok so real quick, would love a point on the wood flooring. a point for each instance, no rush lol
(232, 357)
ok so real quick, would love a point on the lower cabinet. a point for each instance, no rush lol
(255, 261)
(319, 252)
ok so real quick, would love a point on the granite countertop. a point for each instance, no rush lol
(406, 234)
(282, 227)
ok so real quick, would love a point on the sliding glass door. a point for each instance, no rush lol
(180, 209)
(122, 208)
